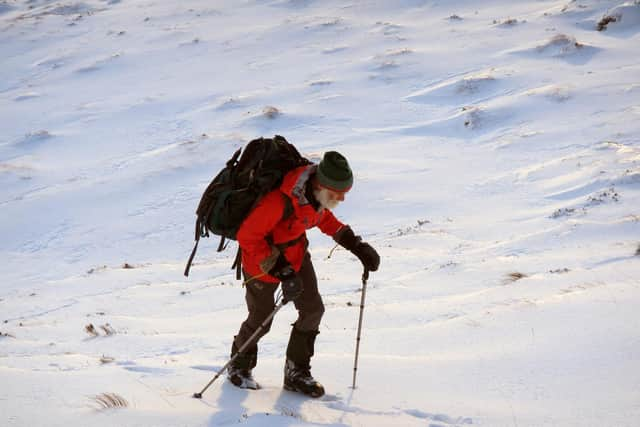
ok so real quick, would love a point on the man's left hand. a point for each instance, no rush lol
(367, 256)
(365, 253)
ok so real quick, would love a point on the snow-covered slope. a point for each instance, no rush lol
(497, 161)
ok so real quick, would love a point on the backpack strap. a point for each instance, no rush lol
(221, 245)
(193, 254)
(288, 207)
(201, 231)
(286, 213)
(237, 264)
(203, 215)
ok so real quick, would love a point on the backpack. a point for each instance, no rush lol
(238, 188)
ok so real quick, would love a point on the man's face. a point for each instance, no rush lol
(329, 199)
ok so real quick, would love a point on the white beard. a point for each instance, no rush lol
(322, 196)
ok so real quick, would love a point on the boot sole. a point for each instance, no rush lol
(242, 385)
(315, 394)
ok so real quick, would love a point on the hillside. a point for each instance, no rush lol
(497, 171)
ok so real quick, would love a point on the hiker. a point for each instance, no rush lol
(274, 246)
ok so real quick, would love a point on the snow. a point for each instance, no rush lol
(497, 171)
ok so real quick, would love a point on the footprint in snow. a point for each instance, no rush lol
(35, 137)
(334, 49)
(388, 28)
(148, 370)
(27, 96)
(553, 93)
(99, 64)
(214, 368)
(441, 418)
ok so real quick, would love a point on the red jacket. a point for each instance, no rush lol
(264, 228)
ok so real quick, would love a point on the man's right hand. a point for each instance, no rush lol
(290, 283)
(291, 288)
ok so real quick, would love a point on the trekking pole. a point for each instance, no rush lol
(365, 277)
(242, 348)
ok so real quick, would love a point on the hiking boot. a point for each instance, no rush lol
(242, 378)
(299, 379)
(239, 373)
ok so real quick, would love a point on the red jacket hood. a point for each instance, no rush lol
(294, 184)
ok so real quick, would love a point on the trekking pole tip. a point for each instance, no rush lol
(197, 395)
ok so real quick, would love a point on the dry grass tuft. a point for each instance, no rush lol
(107, 359)
(271, 112)
(515, 276)
(602, 24)
(91, 330)
(108, 329)
(96, 269)
(110, 400)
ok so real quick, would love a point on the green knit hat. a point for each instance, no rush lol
(334, 172)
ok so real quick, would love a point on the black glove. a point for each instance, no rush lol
(290, 283)
(367, 256)
(280, 267)
(364, 251)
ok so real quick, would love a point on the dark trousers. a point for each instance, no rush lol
(260, 298)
